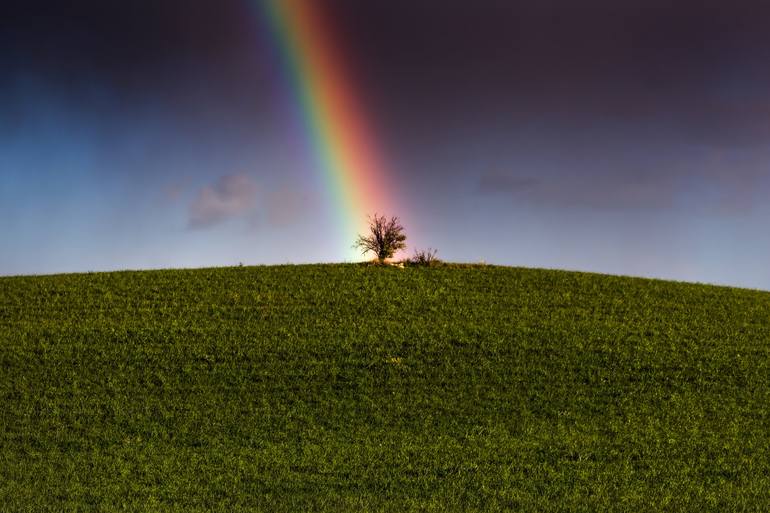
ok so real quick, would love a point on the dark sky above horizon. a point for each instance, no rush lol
(622, 137)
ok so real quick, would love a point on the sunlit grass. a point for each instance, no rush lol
(368, 388)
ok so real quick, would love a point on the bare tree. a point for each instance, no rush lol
(386, 236)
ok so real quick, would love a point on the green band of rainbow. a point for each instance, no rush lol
(335, 124)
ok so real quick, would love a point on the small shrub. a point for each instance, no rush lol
(424, 258)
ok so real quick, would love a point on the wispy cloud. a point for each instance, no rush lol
(495, 183)
(626, 191)
(230, 197)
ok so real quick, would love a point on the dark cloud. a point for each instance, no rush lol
(197, 62)
(124, 40)
(696, 67)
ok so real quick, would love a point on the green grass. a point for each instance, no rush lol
(360, 388)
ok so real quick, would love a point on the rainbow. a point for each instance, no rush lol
(335, 125)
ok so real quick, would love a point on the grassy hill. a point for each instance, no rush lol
(358, 388)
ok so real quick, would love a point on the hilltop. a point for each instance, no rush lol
(362, 388)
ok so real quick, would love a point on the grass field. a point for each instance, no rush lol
(360, 388)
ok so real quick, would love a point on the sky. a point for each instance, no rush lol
(623, 137)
